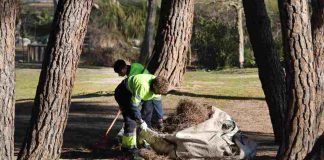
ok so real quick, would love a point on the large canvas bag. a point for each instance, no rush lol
(216, 138)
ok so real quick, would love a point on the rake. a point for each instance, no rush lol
(103, 142)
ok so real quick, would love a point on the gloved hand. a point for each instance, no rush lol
(143, 126)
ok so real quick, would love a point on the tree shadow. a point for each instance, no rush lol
(265, 143)
(87, 123)
(29, 65)
(80, 96)
(181, 93)
(95, 94)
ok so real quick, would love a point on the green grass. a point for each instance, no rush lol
(233, 82)
(215, 87)
(88, 81)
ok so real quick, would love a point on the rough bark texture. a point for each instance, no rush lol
(172, 40)
(267, 58)
(147, 44)
(53, 97)
(318, 44)
(7, 77)
(300, 124)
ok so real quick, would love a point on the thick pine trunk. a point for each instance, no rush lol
(318, 39)
(267, 58)
(7, 77)
(318, 43)
(53, 97)
(172, 40)
(300, 125)
(147, 44)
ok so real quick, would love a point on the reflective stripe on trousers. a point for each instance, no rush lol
(129, 141)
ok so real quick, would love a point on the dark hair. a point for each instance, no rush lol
(160, 85)
(119, 65)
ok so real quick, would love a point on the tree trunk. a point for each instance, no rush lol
(317, 152)
(239, 26)
(318, 39)
(300, 125)
(189, 55)
(53, 97)
(172, 40)
(147, 44)
(7, 77)
(55, 4)
(267, 58)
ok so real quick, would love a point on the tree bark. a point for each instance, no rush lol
(239, 26)
(8, 10)
(53, 96)
(300, 124)
(318, 43)
(267, 58)
(172, 40)
(147, 44)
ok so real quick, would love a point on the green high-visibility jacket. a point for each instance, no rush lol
(137, 68)
(139, 86)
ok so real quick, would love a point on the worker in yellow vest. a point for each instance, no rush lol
(123, 69)
(136, 90)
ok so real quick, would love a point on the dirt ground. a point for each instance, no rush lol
(89, 120)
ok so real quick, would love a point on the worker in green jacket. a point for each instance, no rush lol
(141, 89)
(123, 69)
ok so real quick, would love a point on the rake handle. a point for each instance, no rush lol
(113, 122)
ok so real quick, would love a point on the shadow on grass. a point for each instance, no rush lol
(265, 142)
(80, 96)
(39, 66)
(87, 123)
(180, 93)
(93, 95)
(29, 65)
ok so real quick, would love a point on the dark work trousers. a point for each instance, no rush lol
(156, 113)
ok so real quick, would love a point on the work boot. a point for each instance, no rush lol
(136, 156)
(132, 154)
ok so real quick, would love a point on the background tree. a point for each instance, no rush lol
(172, 40)
(7, 77)
(55, 4)
(237, 4)
(268, 61)
(239, 26)
(300, 126)
(147, 45)
(115, 30)
(53, 96)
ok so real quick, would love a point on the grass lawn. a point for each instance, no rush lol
(88, 81)
(236, 91)
(216, 87)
